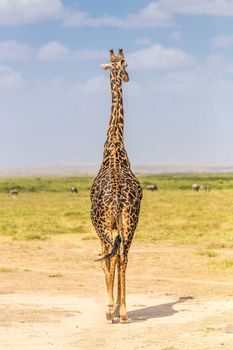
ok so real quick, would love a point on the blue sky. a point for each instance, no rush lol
(55, 99)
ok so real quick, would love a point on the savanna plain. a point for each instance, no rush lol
(179, 275)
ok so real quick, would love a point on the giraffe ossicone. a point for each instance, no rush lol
(116, 196)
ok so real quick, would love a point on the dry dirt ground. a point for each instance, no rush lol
(52, 297)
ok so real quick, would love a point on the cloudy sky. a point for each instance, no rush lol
(55, 99)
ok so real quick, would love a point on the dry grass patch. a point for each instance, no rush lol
(5, 269)
(208, 253)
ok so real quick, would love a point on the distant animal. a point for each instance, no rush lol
(206, 188)
(153, 187)
(13, 193)
(74, 189)
(196, 187)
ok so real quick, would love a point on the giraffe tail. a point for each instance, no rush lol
(114, 249)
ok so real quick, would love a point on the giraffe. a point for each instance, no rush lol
(115, 195)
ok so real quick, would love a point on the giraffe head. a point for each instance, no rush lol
(117, 65)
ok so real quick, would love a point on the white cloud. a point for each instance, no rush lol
(144, 41)
(150, 16)
(89, 54)
(95, 84)
(13, 50)
(156, 14)
(10, 79)
(176, 35)
(158, 57)
(53, 51)
(199, 7)
(78, 18)
(16, 12)
(222, 40)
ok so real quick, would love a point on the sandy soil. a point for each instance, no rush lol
(52, 297)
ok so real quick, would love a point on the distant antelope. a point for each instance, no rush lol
(13, 193)
(206, 188)
(74, 189)
(153, 187)
(196, 187)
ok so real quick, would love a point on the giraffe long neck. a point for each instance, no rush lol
(114, 148)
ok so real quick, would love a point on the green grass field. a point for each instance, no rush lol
(45, 206)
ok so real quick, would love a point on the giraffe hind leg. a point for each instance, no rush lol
(117, 304)
(122, 304)
(109, 266)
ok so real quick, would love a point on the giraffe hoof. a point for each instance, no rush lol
(110, 315)
(110, 321)
(125, 319)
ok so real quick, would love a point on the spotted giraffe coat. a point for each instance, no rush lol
(116, 192)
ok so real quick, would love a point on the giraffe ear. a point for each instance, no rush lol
(106, 66)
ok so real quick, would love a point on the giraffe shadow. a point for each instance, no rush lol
(157, 311)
